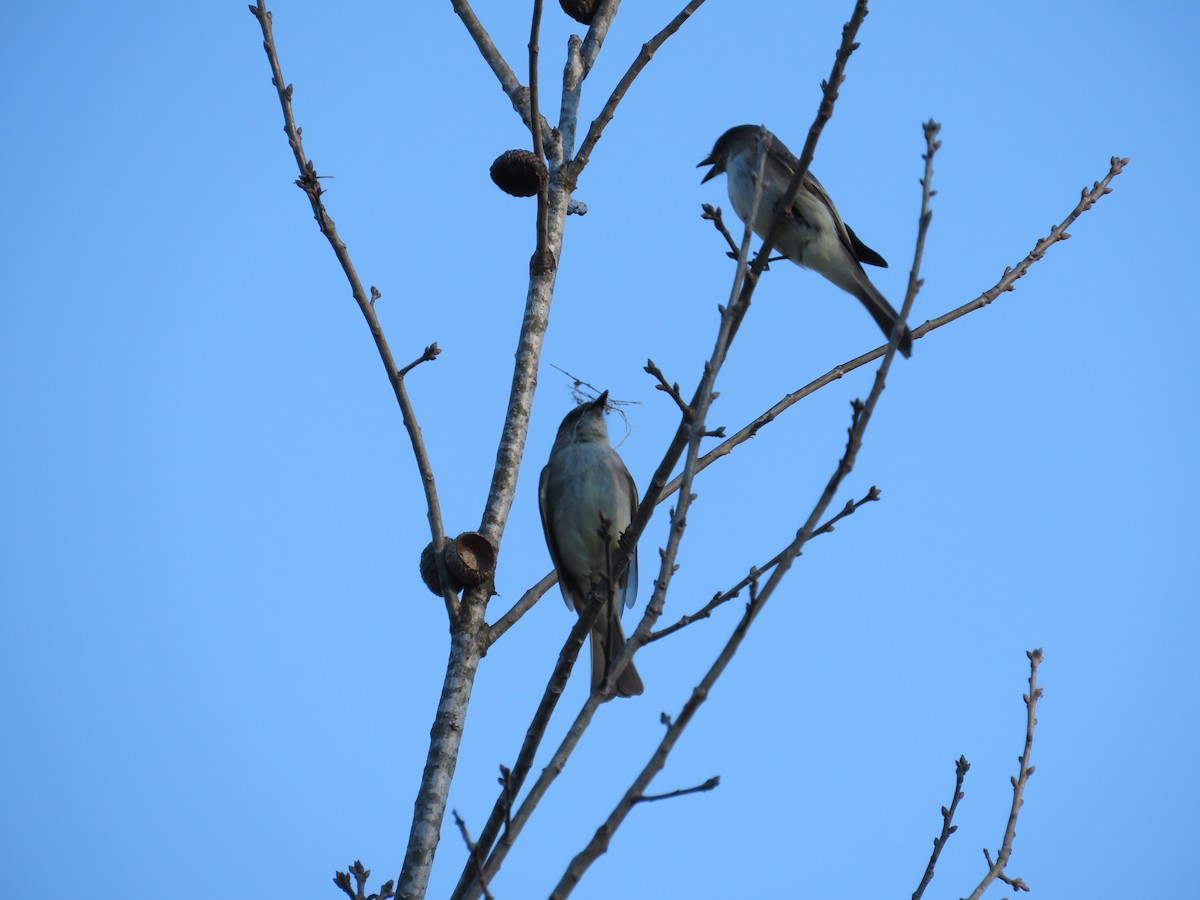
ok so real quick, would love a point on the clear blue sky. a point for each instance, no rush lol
(219, 667)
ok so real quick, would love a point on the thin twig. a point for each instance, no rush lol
(721, 598)
(310, 183)
(714, 215)
(534, 27)
(522, 606)
(430, 354)
(541, 263)
(668, 388)
(708, 785)
(517, 93)
(359, 890)
(948, 826)
(1025, 770)
(472, 851)
(1088, 198)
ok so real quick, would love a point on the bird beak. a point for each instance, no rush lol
(717, 168)
(600, 402)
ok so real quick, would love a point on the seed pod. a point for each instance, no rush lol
(582, 11)
(471, 558)
(429, 573)
(520, 173)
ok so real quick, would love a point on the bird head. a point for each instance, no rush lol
(585, 422)
(735, 140)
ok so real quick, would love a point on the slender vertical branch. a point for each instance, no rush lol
(948, 827)
(1025, 770)
(433, 794)
(517, 93)
(310, 183)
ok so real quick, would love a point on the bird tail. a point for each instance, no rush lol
(881, 311)
(608, 642)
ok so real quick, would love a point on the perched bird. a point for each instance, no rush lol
(812, 234)
(587, 499)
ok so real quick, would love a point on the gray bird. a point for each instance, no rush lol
(812, 234)
(587, 499)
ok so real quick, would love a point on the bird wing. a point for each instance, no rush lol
(856, 248)
(545, 507)
(863, 252)
(630, 586)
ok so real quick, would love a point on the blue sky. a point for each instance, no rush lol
(219, 664)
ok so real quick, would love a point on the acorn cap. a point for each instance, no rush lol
(470, 558)
(582, 11)
(520, 173)
(429, 573)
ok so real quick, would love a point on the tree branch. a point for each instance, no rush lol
(517, 93)
(704, 612)
(996, 869)
(472, 851)
(310, 183)
(948, 828)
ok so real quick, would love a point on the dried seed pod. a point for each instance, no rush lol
(429, 573)
(471, 558)
(582, 11)
(520, 173)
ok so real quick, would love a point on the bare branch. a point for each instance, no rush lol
(472, 851)
(522, 606)
(640, 61)
(668, 388)
(517, 93)
(996, 869)
(358, 891)
(707, 610)
(708, 785)
(713, 214)
(948, 826)
(1057, 233)
(602, 19)
(309, 182)
(533, 83)
(430, 354)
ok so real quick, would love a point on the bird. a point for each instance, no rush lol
(587, 499)
(812, 234)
